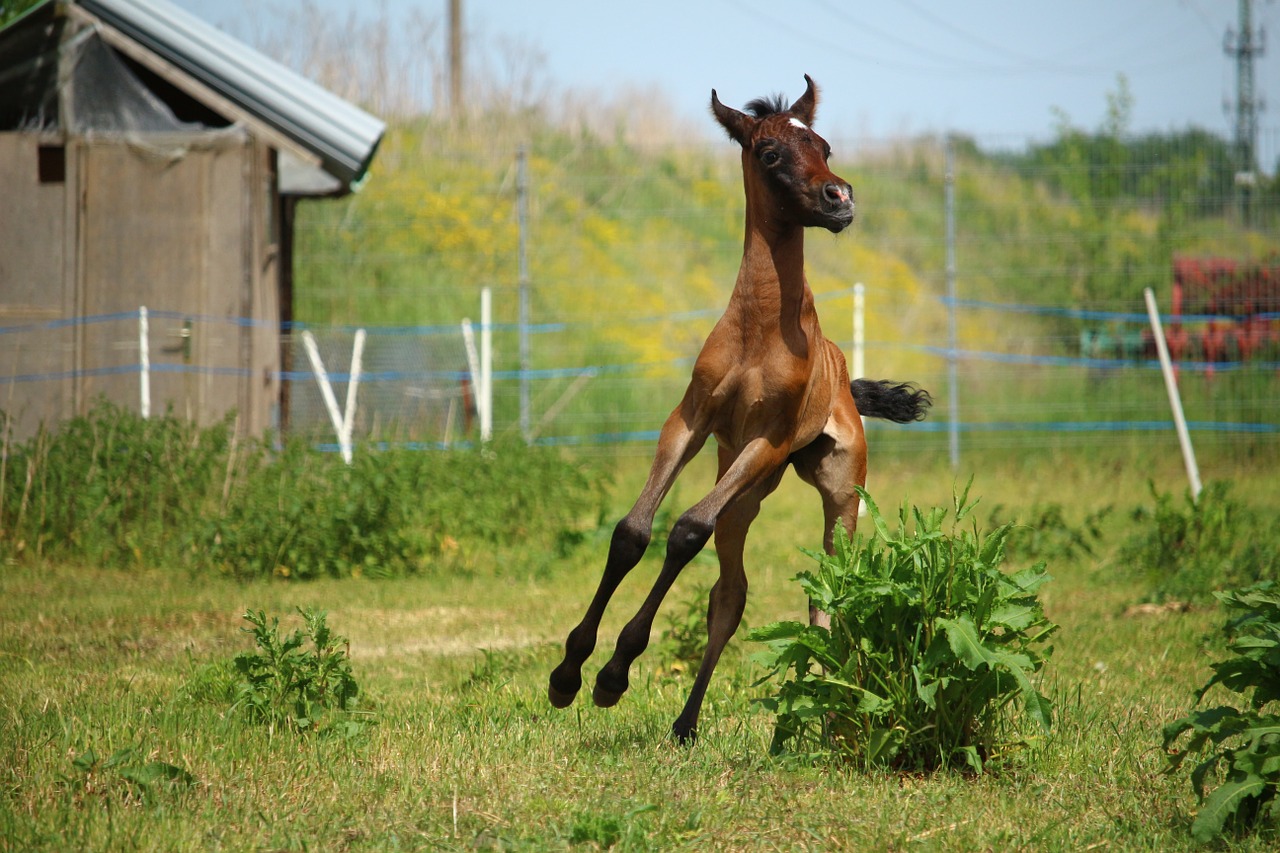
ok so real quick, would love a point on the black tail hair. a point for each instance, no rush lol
(900, 402)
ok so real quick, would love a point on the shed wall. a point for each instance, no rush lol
(35, 244)
(180, 226)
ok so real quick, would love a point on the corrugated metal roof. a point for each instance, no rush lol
(342, 135)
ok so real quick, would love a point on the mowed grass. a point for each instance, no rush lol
(468, 754)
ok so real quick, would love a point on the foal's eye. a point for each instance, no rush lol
(769, 158)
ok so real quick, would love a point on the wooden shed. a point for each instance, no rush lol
(148, 159)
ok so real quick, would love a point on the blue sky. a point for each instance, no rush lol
(887, 68)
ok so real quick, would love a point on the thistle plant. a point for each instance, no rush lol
(285, 682)
(1238, 775)
(930, 646)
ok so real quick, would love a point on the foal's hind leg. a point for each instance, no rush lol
(834, 464)
(728, 597)
(677, 444)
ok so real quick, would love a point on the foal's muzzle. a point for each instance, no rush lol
(837, 205)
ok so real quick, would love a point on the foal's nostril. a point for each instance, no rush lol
(838, 194)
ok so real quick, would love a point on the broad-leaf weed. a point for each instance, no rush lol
(930, 644)
(287, 684)
(1238, 775)
(1187, 549)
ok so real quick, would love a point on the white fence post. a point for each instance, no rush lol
(473, 368)
(860, 344)
(343, 422)
(859, 331)
(953, 345)
(485, 391)
(349, 414)
(480, 364)
(144, 362)
(1175, 401)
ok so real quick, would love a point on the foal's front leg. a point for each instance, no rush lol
(678, 443)
(760, 460)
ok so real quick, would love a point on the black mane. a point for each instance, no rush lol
(762, 107)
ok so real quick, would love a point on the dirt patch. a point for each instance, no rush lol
(443, 631)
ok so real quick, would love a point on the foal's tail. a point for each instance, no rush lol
(900, 402)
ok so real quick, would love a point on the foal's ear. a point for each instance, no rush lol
(737, 125)
(806, 106)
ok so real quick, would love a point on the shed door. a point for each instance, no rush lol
(167, 227)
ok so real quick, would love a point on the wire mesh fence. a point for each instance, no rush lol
(632, 255)
(417, 386)
(414, 385)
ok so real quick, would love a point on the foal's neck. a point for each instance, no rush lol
(771, 278)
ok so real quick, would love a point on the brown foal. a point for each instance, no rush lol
(768, 386)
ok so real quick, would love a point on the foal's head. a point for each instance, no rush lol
(783, 157)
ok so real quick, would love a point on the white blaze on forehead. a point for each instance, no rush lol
(795, 122)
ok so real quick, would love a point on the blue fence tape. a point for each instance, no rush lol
(561, 326)
(616, 369)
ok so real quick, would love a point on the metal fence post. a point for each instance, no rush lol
(522, 215)
(953, 352)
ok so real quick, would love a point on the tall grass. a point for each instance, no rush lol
(106, 486)
(112, 488)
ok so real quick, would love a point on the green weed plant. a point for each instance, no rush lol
(1238, 748)
(1045, 532)
(1187, 549)
(114, 489)
(127, 770)
(680, 645)
(930, 644)
(300, 682)
(110, 487)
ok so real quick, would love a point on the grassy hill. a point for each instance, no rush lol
(659, 227)
(633, 248)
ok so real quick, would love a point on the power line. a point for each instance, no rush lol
(1121, 30)
(946, 64)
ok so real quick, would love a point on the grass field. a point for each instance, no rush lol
(466, 752)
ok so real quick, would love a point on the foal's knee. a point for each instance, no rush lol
(630, 539)
(688, 536)
(730, 593)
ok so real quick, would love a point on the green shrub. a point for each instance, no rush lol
(115, 489)
(1045, 533)
(506, 493)
(930, 643)
(109, 487)
(1238, 775)
(1186, 550)
(306, 514)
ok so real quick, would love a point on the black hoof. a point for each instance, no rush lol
(563, 688)
(684, 735)
(609, 689)
(558, 699)
(605, 698)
